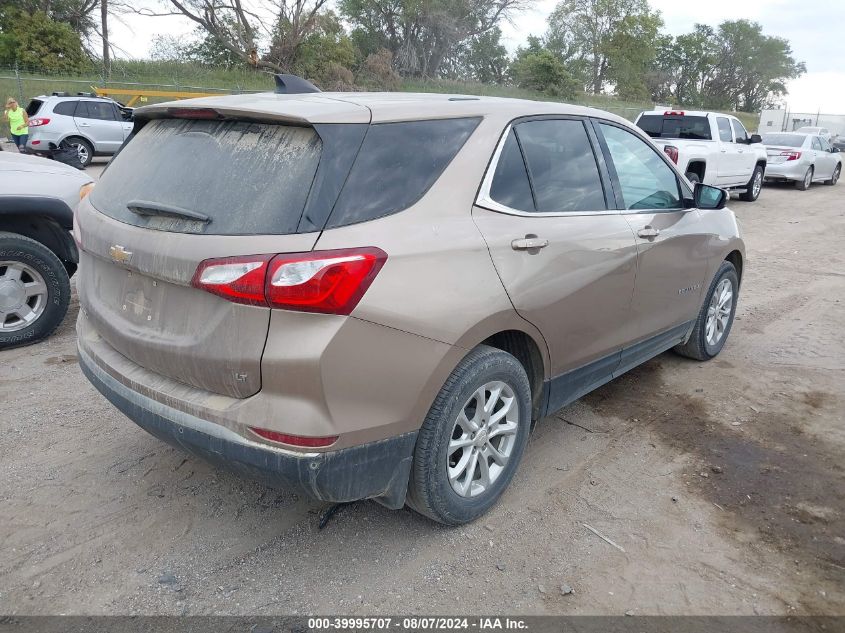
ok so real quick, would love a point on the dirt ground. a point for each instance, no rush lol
(723, 482)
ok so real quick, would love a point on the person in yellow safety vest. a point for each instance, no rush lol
(18, 121)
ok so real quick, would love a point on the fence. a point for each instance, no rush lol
(782, 120)
(25, 83)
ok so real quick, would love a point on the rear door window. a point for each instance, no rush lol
(396, 166)
(248, 178)
(561, 166)
(724, 125)
(68, 108)
(99, 110)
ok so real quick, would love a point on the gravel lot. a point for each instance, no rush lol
(723, 482)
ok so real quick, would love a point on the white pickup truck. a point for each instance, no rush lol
(709, 147)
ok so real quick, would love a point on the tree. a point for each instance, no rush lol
(630, 52)
(36, 41)
(601, 33)
(243, 29)
(481, 58)
(751, 68)
(543, 71)
(423, 34)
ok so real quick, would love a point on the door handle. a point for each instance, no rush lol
(84, 124)
(648, 232)
(529, 242)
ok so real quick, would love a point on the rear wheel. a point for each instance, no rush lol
(34, 291)
(716, 317)
(83, 149)
(473, 438)
(835, 177)
(754, 186)
(804, 183)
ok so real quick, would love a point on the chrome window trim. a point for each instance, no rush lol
(485, 201)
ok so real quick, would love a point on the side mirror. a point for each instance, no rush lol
(755, 138)
(834, 150)
(707, 197)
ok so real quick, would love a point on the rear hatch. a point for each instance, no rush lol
(783, 147)
(180, 192)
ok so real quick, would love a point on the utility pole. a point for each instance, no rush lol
(104, 20)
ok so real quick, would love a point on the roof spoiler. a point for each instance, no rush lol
(291, 85)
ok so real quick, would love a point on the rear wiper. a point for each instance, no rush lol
(145, 208)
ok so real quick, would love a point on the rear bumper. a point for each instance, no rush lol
(378, 470)
(790, 170)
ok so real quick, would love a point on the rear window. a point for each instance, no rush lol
(685, 127)
(247, 178)
(785, 140)
(34, 106)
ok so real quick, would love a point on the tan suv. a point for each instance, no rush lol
(376, 295)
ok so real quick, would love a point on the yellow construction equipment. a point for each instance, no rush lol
(142, 95)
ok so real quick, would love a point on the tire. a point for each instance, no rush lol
(83, 148)
(692, 177)
(698, 346)
(754, 186)
(24, 264)
(804, 184)
(835, 177)
(430, 491)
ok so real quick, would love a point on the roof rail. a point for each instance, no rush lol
(291, 85)
(85, 94)
(61, 94)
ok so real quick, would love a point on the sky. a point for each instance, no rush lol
(813, 27)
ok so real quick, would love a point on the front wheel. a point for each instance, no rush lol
(34, 291)
(754, 187)
(716, 317)
(835, 177)
(473, 438)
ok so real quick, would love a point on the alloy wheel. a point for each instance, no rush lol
(758, 183)
(23, 296)
(719, 312)
(483, 439)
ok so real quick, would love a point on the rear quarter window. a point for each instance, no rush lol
(248, 178)
(397, 164)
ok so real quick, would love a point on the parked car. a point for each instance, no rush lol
(802, 159)
(94, 126)
(838, 142)
(37, 253)
(709, 147)
(372, 295)
(816, 131)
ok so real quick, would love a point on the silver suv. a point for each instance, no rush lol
(94, 126)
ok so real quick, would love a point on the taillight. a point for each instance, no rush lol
(238, 279)
(331, 282)
(295, 440)
(38, 122)
(791, 155)
(672, 152)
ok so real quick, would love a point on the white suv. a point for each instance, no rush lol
(94, 126)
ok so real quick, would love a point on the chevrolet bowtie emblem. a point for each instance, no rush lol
(120, 254)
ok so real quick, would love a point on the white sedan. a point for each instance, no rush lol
(801, 158)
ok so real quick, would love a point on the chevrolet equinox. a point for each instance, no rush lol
(374, 296)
